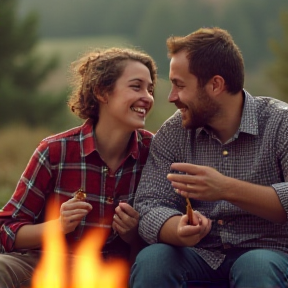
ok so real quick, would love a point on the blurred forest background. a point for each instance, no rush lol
(39, 39)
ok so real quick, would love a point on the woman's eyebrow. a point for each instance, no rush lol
(141, 80)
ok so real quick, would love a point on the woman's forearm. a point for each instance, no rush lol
(30, 236)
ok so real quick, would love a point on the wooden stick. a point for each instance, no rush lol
(189, 211)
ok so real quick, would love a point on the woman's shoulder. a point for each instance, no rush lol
(145, 137)
(145, 133)
(62, 135)
(74, 134)
(55, 141)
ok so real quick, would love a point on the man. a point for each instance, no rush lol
(228, 152)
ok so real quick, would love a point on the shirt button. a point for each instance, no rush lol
(220, 222)
(225, 153)
(109, 200)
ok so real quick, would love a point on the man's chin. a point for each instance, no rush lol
(187, 124)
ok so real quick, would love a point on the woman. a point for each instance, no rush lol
(113, 91)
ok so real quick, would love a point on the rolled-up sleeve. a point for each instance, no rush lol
(281, 145)
(156, 199)
(28, 199)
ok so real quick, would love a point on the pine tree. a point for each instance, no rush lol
(22, 70)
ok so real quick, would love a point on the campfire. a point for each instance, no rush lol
(88, 271)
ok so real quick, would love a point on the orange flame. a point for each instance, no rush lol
(88, 269)
(91, 271)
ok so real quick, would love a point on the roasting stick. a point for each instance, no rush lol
(189, 211)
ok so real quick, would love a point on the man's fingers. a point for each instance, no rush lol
(186, 168)
(187, 230)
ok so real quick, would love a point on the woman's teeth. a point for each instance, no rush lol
(138, 109)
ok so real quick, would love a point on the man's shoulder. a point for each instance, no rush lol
(271, 104)
(272, 112)
(172, 133)
(174, 122)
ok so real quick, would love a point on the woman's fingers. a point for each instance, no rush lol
(71, 213)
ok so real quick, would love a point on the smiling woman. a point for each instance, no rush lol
(103, 158)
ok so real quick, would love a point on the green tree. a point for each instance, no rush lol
(278, 71)
(23, 71)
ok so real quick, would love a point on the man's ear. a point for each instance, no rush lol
(217, 84)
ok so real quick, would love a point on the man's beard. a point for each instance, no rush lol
(202, 115)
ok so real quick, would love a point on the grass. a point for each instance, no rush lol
(16, 147)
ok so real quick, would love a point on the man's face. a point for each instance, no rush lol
(198, 109)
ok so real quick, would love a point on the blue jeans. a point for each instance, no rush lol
(162, 265)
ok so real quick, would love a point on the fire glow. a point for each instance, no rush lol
(89, 270)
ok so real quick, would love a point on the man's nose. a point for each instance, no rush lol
(173, 96)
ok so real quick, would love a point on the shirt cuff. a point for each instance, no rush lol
(282, 192)
(158, 217)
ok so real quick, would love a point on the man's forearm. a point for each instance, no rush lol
(262, 201)
(168, 232)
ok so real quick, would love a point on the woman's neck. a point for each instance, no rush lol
(112, 145)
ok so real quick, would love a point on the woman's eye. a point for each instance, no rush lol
(135, 86)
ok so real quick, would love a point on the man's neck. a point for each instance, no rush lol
(228, 123)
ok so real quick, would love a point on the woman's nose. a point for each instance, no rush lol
(148, 97)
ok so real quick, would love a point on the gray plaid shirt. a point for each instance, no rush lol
(257, 153)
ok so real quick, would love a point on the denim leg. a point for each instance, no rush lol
(260, 268)
(161, 265)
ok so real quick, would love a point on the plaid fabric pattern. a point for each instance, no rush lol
(61, 165)
(258, 153)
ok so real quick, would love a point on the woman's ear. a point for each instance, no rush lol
(102, 98)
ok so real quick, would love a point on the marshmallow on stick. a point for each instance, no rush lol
(80, 195)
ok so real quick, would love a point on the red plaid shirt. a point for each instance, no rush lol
(61, 165)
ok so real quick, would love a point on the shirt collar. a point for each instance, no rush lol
(87, 138)
(89, 144)
(249, 122)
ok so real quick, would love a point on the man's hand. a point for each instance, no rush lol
(190, 235)
(200, 182)
(177, 231)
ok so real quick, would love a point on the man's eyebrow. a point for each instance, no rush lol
(175, 80)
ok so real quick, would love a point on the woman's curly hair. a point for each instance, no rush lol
(96, 74)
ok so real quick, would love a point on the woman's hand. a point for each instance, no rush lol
(125, 222)
(71, 214)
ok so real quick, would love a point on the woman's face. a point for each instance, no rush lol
(131, 99)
